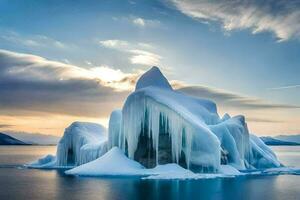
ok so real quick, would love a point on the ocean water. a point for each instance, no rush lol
(17, 182)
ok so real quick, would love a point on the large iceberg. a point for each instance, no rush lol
(159, 128)
(160, 125)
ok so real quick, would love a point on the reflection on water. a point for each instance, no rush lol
(18, 155)
(20, 183)
(288, 155)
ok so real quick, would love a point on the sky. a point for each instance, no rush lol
(65, 61)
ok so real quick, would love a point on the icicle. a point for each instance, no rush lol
(114, 129)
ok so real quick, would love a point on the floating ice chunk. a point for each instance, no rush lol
(48, 161)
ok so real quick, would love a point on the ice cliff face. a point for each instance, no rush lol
(159, 125)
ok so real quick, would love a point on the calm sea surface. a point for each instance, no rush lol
(17, 182)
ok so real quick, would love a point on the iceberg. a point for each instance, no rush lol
(160, 125)
(82, 142)
(48, 161)
(160, 131)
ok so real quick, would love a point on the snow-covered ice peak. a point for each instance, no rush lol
(153, 77)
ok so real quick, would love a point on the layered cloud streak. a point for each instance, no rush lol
(34, 86)
(277, 16)
(30, 83)
(140, 53)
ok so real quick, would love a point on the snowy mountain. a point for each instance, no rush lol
(276, 142)
(158, 126)
(8, 140)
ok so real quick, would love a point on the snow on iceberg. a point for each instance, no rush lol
(116, 163)
(229, 170)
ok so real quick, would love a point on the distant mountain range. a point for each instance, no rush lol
(289, 140)
(276, 142)
(8, 140)
(34, 138)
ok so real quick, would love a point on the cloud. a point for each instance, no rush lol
(138, 22)
(141, 22)
(231, 100)
(277, 16)
(263, 120)
(30, 67)
(34, 41)
(31, 84)
(144, 57)
(139, 52)
(285, 87)
(114, 44)
(5, 126)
